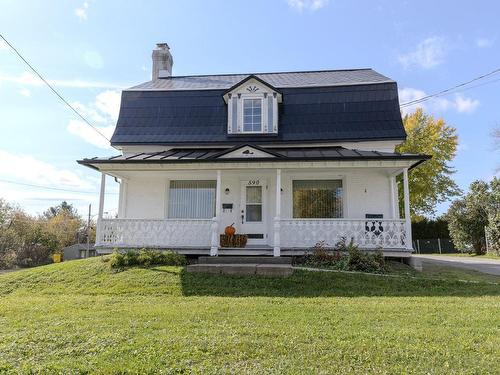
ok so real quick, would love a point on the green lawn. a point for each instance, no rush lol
(79, 317)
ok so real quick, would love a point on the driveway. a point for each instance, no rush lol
(490, 266)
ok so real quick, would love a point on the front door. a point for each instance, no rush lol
(253, 210)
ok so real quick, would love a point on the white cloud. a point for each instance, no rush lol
(466, 105)
(311, 5)
(458, 103)
(25, 92)
(89, 135)
(427, 54)
(31, 79)
(25, 168)
(108, 102)
(484, 42)
(103, 112)
(81, 12)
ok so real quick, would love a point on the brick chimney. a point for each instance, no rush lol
(162, 61)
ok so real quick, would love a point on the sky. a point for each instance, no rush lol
(90, 50)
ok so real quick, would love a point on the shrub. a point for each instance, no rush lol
(146, 258)
(364, 261)
(344, 256)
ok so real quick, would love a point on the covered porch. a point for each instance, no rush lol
(262, 202)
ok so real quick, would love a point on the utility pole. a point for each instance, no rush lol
(88, 231)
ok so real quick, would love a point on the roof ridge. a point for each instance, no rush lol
(257, 73)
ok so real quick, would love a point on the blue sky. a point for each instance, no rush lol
(89, 50)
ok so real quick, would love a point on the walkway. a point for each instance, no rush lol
(489, 266)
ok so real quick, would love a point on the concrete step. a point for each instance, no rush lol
(274, 270)
(244, 260)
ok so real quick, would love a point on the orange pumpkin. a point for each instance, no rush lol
(230, 230)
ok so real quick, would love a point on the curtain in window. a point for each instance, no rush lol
(320, 199)
(191, 199)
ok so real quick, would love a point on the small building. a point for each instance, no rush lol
(78, 251)
(290, 158)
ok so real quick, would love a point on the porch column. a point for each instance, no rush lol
(392, 184)
(101, 209)
(406, 190)
(214, 249)
(277, 218)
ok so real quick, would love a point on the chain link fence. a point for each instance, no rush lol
(434, 246)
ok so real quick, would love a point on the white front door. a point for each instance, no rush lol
(253, 209)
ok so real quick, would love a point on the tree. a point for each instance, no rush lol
(469, 215)
(431, 182)
(63, 207)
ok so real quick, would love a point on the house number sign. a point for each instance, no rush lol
(253, 182)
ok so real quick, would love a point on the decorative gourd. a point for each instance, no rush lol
(230, 230)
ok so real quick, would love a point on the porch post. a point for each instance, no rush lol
(407, 209)
(392, 182)
(214, 249)
(101, 209)
(277, 249)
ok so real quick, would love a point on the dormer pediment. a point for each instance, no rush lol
(254, 86)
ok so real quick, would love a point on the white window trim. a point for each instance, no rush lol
(242, 106)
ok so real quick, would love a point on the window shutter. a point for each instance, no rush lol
(270, 125)
(234, 125)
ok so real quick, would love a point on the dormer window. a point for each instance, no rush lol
(252, 115)
(252, 107)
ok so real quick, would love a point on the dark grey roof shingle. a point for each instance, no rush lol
(364, 112)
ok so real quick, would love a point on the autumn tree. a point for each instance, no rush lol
(63, 223)
(431, 183)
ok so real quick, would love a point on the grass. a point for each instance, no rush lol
(81, 317)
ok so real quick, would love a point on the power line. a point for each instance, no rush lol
(52, 188)
(451, 89)
(53, 89)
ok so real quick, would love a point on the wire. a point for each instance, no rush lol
(53, 89)
(51, 188)
(451, 89)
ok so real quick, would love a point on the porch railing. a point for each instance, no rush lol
(366, 233)
(154, 233)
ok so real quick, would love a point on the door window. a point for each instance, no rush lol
(253, 211)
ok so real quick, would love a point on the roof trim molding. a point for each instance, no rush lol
(248, 78)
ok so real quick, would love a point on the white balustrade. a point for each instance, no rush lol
(155, 233)
(366, 233)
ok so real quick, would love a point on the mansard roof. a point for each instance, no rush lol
(317, 106)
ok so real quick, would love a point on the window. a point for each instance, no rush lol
(253, 212)
(252, 115)
(317, 199)
(191, 199)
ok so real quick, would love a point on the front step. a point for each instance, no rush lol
(244, 260)
(243, 269)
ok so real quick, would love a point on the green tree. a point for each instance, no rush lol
(63, 207)
(431, 183)
(468, 216)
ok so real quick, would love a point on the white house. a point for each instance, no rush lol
(290, 158)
